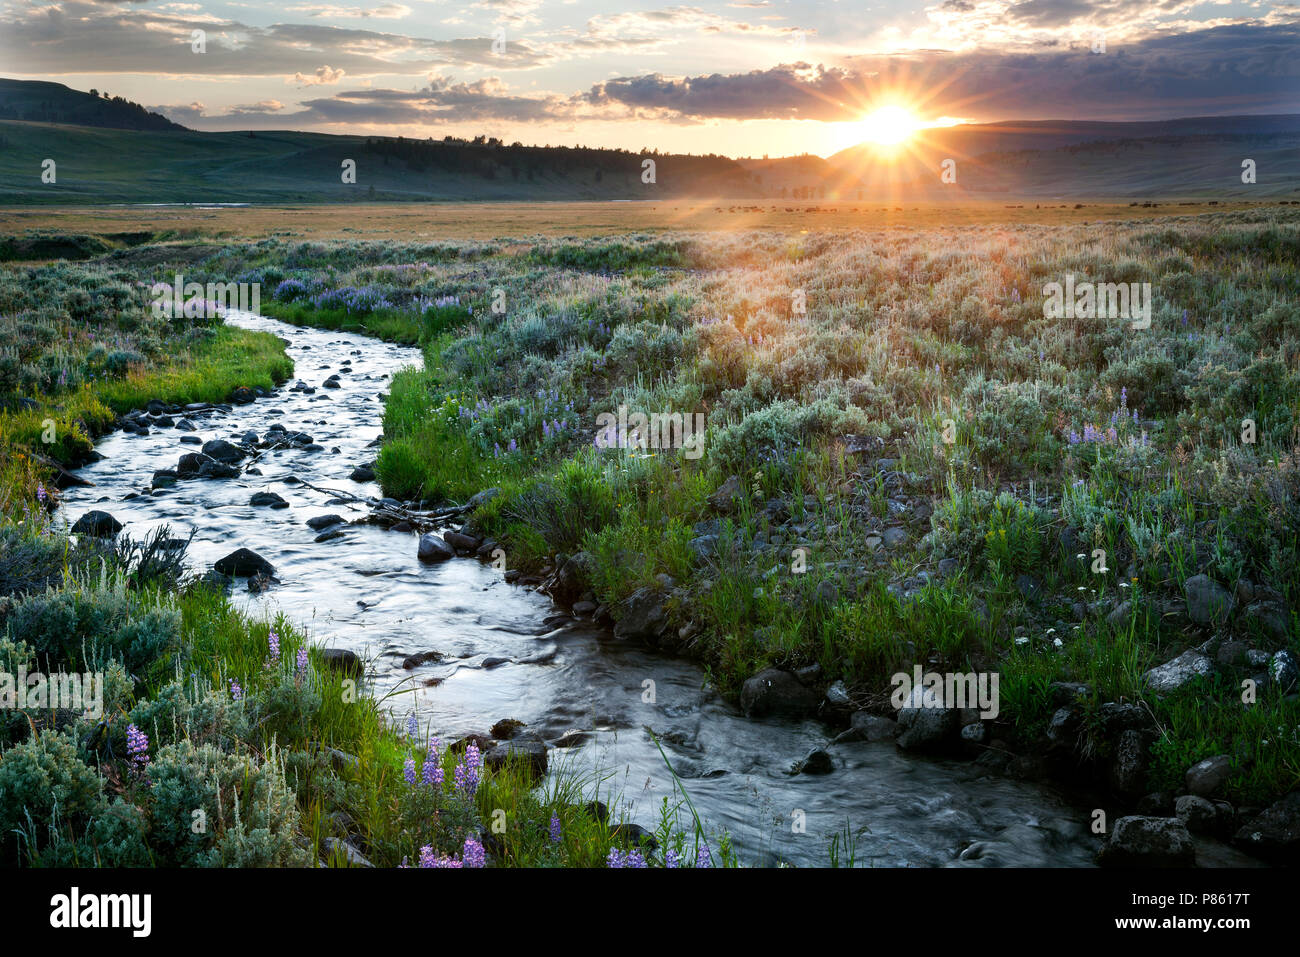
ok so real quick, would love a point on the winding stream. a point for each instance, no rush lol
(367, 592)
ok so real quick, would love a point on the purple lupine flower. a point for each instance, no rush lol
(467, 771)
(473, 855)
(513, 446)
(1184, 317)
(412, 726)
(615, 858)
(41, 494)
(273, 640)
(137, 751)
(555, 829)
(704, 858)
(427, 857)
(634, 859)
(301, 663)
(672, 858)
(236, 692)
(1123, 397)
(431, 773)
(408, 771)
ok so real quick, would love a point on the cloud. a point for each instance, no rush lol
(81, 37)
(387, 11)
(324, 76)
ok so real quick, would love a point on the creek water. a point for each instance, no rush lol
(367, 592)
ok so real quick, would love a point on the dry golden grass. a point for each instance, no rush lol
(416, 222)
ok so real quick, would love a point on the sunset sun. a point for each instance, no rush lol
(889, 125)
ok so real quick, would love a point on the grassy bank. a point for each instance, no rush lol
(906, 461)
(222, 740)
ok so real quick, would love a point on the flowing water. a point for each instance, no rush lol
(367, 592)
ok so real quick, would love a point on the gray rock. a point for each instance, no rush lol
(342, 850)
(924, 723)
(479, 499)
(342, 660)
(1208, 602)
(775, 692)
(260, 499)
(894, 536)
(528, 754)
(1172, 675)
(975, 733)
(432, 548)
(460, 542)
(217, 470)
(865, 726)
(1198, 814)
(97, 524)
(1274, 834)
(1283, 671)
(642, 616)
(242, 562)
(1270, 617)
(190, 463)
(1128, 770)
(362, 473)
(1148, 842)
(224, 451)
(726, 498)
(818, 761)
(328, 536)
(1205, 777)
(318, 522)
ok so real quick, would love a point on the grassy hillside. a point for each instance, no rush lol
(56, 103)
(181, 166)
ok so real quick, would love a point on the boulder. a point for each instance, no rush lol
(642, 616)
(97, 524)
(271, 499)
(1208, 602)
(217, 470)
(243, 562)
(924, 724)
(344, 661)
(1274, 834)
(727, 497)
(1137, 841)
(318, 522)
(818, 761)
(1283, 672)
(224, 451)
(1172, 675)
(872, 727)
(1128, 770)
(778, 693)
(433, 548)
(1205, 777)
(462, 543)
(519, 753)
(479, 499)
(1198, 814)
(362, 473)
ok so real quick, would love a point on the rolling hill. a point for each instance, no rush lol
(110, 151)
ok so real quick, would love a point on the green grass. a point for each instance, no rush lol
(950, 360)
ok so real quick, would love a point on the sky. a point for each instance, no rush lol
(736, 77)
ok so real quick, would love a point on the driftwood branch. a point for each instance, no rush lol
(386, 512)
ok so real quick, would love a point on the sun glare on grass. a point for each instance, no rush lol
(889, 125)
